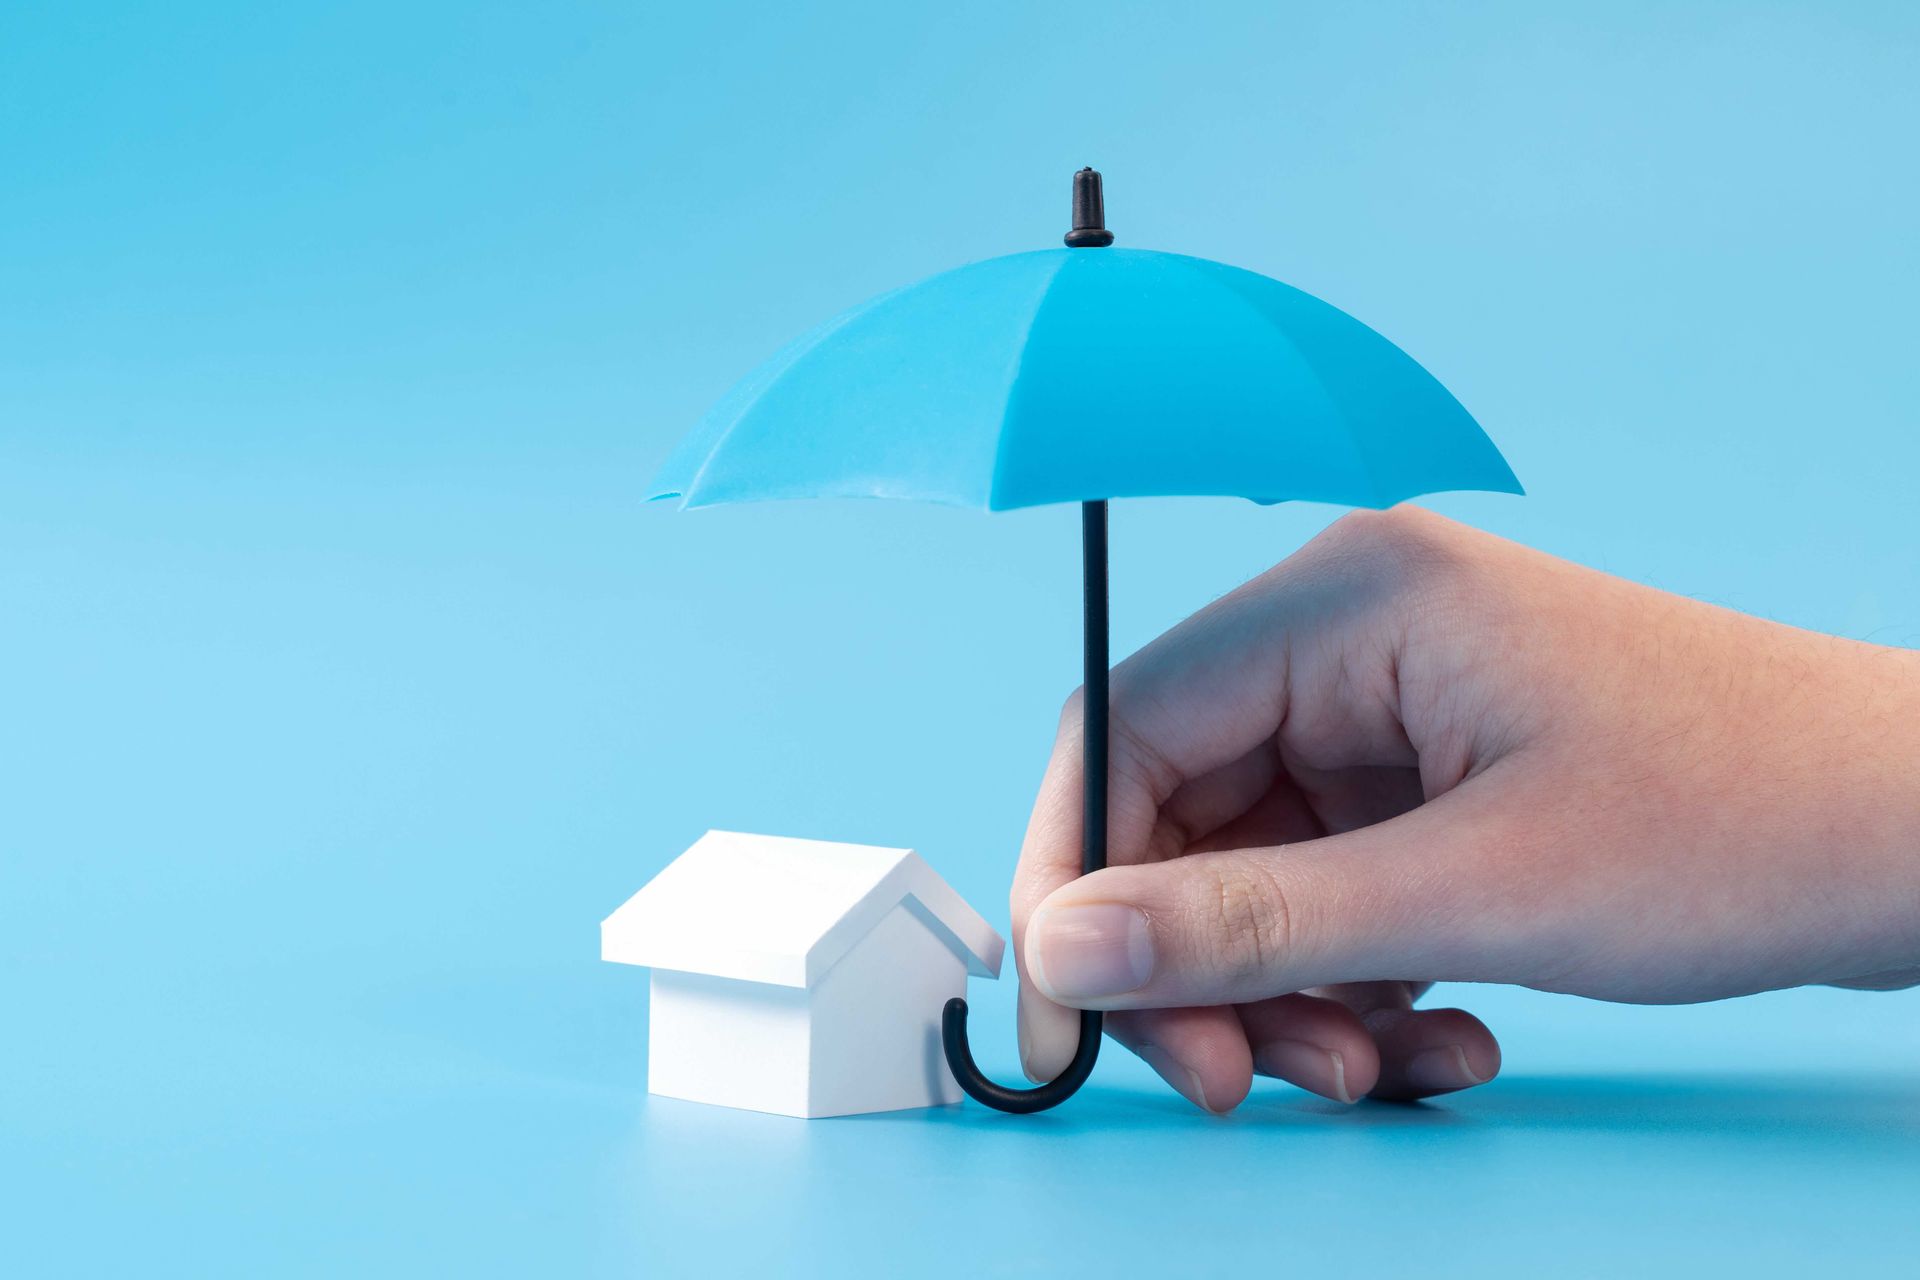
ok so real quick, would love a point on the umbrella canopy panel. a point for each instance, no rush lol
(1070, 376)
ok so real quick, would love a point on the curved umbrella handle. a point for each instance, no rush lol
(1093, 846)
(953, 1034)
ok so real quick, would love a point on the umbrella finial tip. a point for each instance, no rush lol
(1089, 212)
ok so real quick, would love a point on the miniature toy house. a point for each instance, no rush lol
(799, 976)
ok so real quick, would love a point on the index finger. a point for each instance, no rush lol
(1191, 704)
(1187, 715)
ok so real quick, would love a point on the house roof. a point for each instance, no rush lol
(779, 910)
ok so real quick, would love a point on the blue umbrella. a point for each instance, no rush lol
(1069, 375)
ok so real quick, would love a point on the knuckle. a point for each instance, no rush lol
(1406, 543)
(1138, 766)
(1249, 921)
(1432, 569)
(1070, 709)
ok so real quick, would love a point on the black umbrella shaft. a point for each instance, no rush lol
(1093, 551)
(1093, 846)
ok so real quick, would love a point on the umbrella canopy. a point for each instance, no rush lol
(1079, 376)
(1067, 376)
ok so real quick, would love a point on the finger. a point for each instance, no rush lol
(1366, 998)
(1282, 815)
(1318, 1044)
(1049, 1033)
(1347, 798)
(1202, 1053)
(1220, 685)
(1424, 1052)
(1144, 825)
(1411, 895)
(1203, 806)
(1249, 786)
(1202, 696)
(1050, 853)
(1049, 857)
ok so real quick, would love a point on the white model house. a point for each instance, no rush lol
(799, 976)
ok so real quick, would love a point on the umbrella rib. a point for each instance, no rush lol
(1206, 271)
(1019, 369)
(789, 356)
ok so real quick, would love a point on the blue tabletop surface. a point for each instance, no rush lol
(346, 682)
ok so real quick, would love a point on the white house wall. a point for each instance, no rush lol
(876, 1021)
(733, 1043)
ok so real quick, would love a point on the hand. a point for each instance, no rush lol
(1416, 752)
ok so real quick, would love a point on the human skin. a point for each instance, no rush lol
(1415, 752)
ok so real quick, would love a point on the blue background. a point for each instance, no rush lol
(345, 683)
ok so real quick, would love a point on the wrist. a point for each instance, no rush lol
(1874, 809)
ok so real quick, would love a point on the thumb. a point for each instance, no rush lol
(1407, 898)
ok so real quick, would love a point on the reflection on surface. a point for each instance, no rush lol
(1518, 1172)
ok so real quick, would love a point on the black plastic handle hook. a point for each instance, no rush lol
(1021, 1102)
(1093, 847)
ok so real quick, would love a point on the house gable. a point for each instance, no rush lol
(874, 1042)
